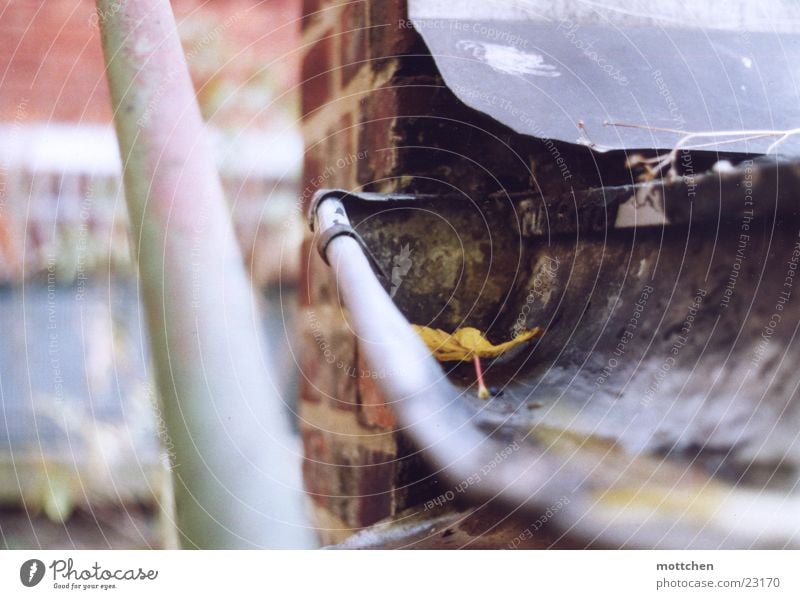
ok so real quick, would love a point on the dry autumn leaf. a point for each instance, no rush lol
(467, 344)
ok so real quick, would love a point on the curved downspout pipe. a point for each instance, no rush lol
(428, 407)
(226, 431)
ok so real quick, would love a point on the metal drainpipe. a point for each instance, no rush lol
(226, 430)
(529, 479)
(428, 407)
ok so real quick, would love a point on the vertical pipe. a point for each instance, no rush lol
(222, 414)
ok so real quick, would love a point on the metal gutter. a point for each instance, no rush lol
(615, 499)
(427, 405)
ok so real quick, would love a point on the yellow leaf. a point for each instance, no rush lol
(467, 342)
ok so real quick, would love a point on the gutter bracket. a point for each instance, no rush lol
(340, 225)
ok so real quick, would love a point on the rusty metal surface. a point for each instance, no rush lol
(545, 68)
(459, 527)
(662, 398)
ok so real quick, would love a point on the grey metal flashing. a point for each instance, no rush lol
(543, 72)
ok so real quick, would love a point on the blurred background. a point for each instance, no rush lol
(84, 455)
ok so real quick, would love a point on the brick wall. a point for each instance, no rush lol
(354, 55)
(53, 64)
(378, 117)
(59, 185)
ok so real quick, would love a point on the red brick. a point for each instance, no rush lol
(61, 37)
(315, 163)
(309, 364)
(323, 290)
(389, 33)
(376, 134)
(316, 349)
(375, 487)
(316, 465)
(373, 410)
(327, 359)
(359, 481)
(314, 10)
(329, 162)
(310, 11)
(353, 39)
(385, 112)
(304, 279)
(340, 151)
(308, 391)
(344, 371)
(317, 75)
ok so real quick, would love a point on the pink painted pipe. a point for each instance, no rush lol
(225, 427)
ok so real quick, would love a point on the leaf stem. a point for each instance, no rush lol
(483, 392)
